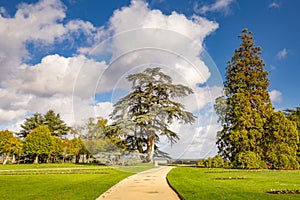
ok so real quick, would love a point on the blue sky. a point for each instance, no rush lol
(73, 55)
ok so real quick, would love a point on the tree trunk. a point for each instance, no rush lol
(83, 159)
(13, 159)
(36, 160)
(150, 149)
(6, 159)
(77, 157)
(47, 159)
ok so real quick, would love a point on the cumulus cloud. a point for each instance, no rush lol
(274, 5)
(276, 96)
(282, 54)
(219, 6)
(134, 38)
(40, 23)
(172, 42)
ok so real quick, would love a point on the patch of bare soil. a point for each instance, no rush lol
(284, 192)
(231, 178)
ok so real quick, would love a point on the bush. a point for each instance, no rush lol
(287, 162)
(249, 160)
(282, 161)
(215, 162)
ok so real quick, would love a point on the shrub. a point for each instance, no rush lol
(249, 160)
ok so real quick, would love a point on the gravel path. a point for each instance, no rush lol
(148, 185)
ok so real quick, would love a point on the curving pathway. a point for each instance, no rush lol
(147, 185)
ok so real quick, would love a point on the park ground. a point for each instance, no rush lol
(202, 183)
(69, 181)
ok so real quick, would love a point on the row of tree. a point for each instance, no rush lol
(47, 138)
(41, 138)
(253, 134)
(40, 146)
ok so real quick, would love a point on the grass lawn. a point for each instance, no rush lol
(60, 181)
(199, 183)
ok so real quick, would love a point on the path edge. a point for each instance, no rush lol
(112, 188)
(178, 194)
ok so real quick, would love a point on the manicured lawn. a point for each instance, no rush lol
(199, 183)
(59, 181)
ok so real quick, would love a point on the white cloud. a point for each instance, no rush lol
(196, 141)
(40, 23)
(56, 75)
(135, 37)
(103, 109)
(219, 6)
(3, 12)
(282, 54)
(50, 85)
(274, 5)
(276, 96)
(170, 41)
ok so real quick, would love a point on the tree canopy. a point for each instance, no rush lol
(39, 142)
(146, 113)
(246, 111)
(94, 137)
(53, 121)
(9, 144)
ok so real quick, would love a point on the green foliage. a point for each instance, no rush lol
(215, 162)
(55, 124)
(251, 130)
(93, 135)
(58, 148)
(5, 136)
(76, 147)
(249, 160)
(53, 121)
(38, 142)
(247, 103)
(294, 115)
(280, 143)
(31, 123)
(9, 144)
(145, 114)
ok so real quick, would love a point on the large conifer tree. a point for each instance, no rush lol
(145, 114)
(252, 130)
(248, 105)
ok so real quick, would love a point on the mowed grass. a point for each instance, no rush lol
(59, 181)
(199, 183)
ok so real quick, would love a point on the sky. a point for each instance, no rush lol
(73, 56)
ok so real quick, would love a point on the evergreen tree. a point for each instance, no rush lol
(146, 112)
(55, 124)
(247, 102)
(251, 130)
(280, 142)
(53, 121)
(294, 115)
(31, 123)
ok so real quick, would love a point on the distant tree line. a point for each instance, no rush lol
(42, 139)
